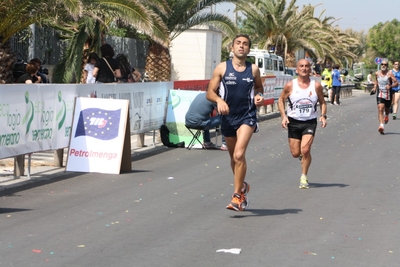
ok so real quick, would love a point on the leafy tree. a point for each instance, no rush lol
(384, 39)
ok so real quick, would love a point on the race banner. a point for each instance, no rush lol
(38, 117)
(35, 118)
(147, 101)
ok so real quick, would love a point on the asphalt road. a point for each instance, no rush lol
(170, 210)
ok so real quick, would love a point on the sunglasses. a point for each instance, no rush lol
(384, 64)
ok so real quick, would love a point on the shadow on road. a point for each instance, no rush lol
(317, 185)
(265, 212)
(7, 210)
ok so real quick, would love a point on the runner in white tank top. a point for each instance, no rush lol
(385, 80)
(301, 119)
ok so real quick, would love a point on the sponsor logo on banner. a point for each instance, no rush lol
(175, 100)
(28, 118)
(98, 123)
(62, 113)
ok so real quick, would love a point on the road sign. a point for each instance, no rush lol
(378, 60)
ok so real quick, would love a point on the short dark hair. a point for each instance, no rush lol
(107, 50)
(242, 35)
(31, 68)
(94, 56)
(35, 61)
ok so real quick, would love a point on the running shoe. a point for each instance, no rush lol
(301, 157)
(238, 203)
(304, 182)
(381, 130)
(386, 119)
(245, 189)
(394, 116)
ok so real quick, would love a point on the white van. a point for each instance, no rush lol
(269, 64)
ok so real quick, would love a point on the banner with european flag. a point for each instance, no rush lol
(98, 123)
(100, 139)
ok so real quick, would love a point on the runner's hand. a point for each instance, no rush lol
(285, 122)
(222, 107)
(258, 100)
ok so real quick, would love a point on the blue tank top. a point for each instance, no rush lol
(237, 90)
(397, 75)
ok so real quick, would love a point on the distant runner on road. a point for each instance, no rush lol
(384, 82)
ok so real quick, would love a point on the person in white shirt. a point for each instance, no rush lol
(369, 78)
(89, 67)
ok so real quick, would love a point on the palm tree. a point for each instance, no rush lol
(86, 25)
(287, 30)
(273, 24)
(183, 15)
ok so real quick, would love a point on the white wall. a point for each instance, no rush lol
(195, 53)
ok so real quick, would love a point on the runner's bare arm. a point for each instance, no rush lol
(258, 87)
(287, 90)
(395, 83)
(322, 103)
(376, 81)
(212, 92)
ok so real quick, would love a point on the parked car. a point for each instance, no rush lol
(291, 71)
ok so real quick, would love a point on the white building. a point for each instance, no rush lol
(195, 53)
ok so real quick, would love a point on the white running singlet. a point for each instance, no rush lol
(302, 102)
(383, 92)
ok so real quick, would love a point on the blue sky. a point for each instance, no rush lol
(356, 14)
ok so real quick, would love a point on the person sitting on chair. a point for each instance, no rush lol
(198, 115)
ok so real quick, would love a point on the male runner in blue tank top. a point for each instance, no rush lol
(240, 93)
(301, 115)
(396, 89)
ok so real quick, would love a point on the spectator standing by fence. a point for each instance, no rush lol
(369, 78)
(30, 74)
(107, 68)
(43, 78)
(336, 85)
(89, 67)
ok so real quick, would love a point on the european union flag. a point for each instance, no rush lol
(98, 123)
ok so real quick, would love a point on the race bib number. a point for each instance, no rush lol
(304, 110)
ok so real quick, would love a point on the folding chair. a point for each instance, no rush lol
(196, 132)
